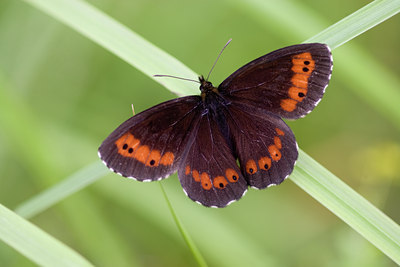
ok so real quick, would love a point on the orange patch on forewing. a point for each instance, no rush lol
(196, 175)
(297, 94)
(232, 175)
(127, 144)
(154, 158)
(300, 80)
(277, 142)
(220, 182)
(264, 163)
(301, 58)
(279, 131)
(301, 69)
(274, 152)
(305, 61)
(167, 158)
(303, 66)
(251, 167)
(121, 141)
(206, 181)
(187, 170)
(142, 153)
(288, 104)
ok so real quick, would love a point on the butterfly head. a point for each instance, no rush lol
(206, 87)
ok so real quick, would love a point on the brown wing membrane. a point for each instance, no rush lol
(209, 175)
(265, 145)
(150, 145)
(288, 82)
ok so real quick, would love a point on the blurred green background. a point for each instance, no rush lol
(61, 95)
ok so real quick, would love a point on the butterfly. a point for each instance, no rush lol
(229, 137)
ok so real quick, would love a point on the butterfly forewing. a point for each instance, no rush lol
(288, 82)
(150, 145)
(265, 145)
(209, 174)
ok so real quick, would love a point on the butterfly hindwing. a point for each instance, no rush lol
(265, 145)
(288, 82)
(209, 174)
(150, 145)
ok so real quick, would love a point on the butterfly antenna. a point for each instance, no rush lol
(208, 76)
(180, 78)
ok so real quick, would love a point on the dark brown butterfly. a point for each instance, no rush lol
(231, 136)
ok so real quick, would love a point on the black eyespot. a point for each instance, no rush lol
(305, 69)
(251, 170)
(152, 162)
(266, 166)
(306, 62)
(301, 94)
(130, 150)
(234, 177)
(125, 146)
(221, 185)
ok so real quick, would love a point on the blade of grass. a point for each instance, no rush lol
(213, 233)
(120, 40)
(348, 205)
(360, 21)
(195, 251)
(381, 231)
(36, 244)
(34, 155)
(61, 190)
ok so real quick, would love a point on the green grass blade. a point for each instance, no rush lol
(355, 24)
(214, 234)
(193, 248)
(60, 191)
(34, 243)
(121, 41)
(35, 155)
(348, 205)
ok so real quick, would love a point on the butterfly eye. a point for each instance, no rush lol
(274, 152)
(232, 175)
(264, 163)
(220, 182)
(251, 167)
